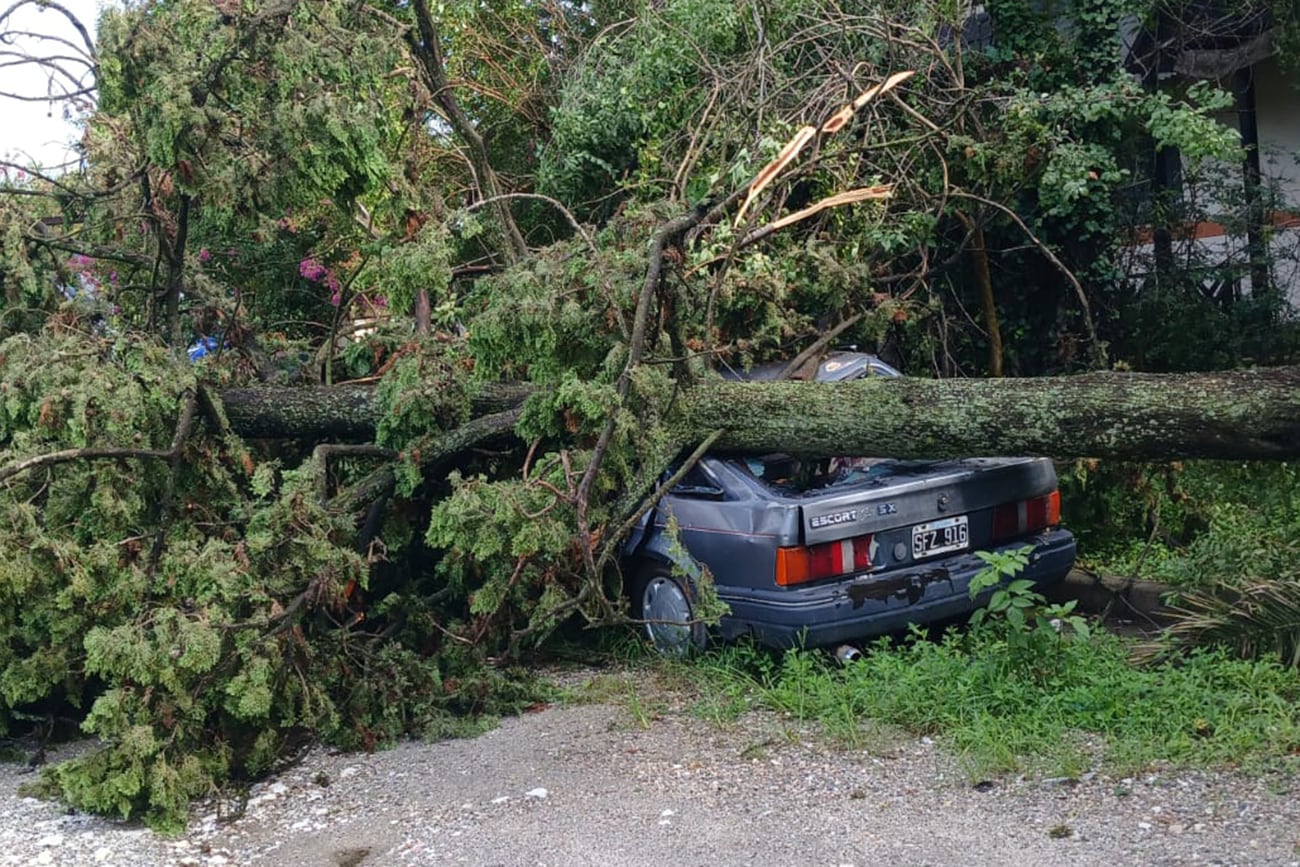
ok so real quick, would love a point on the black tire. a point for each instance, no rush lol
(666, 605)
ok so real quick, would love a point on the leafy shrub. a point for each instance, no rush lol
(1191, 525)
(206, 619)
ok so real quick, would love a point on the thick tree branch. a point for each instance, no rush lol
(433, 452)
(1234, 415)
(341, 412)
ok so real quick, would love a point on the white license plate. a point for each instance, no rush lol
(938, 537)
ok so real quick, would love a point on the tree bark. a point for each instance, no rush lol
(1237, 415)
(983, 279)
(344, 413)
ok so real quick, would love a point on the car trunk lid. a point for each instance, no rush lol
(899, 494)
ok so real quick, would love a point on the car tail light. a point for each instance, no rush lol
(801, 564)
(1027, 516)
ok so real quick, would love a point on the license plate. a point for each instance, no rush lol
(938, 537)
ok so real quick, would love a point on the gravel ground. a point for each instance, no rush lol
(597, 784)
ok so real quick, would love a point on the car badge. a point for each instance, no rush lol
(943, 502)
(833, 518)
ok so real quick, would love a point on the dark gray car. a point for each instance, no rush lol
(828, 552)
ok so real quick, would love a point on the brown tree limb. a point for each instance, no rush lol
(980, 256)
(1097, 350)
(167, 507)
(426, 46)
(84, 454)
(432, 452)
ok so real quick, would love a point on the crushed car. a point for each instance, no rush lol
(827, 553)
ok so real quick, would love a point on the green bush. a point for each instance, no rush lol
(1191, 525)
(204, 620)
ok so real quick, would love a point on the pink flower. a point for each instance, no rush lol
(336, 291)
(204, 255)
(312, 269)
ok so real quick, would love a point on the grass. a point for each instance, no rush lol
(1084, 707)
(1053, 706)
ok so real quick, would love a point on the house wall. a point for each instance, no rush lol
(1277, 116)
(1277, 119)
(1208, 242)
(1277, 111)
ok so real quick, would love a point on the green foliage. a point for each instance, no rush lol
(255, 81)
(501, 541)
(1192, 525)
(1032, 628)
(1096, 710)
(206, 622)
(423, 263)
(620, 119)
(425, 391)
(536, 322)
(27, 294)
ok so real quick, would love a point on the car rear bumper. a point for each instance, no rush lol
(882, 602)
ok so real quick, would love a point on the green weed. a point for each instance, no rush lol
(1093, 709)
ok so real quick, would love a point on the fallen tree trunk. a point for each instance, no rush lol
(1237, 415)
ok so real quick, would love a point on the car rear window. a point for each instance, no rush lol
(793, 476)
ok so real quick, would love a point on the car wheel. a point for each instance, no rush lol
(664, 602)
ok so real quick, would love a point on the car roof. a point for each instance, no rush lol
(835, 367)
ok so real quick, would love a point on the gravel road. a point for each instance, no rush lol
(596, 784)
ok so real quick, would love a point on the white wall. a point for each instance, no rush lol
(1277, 111)
(1277, 118)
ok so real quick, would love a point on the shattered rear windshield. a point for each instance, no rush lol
(793, 476)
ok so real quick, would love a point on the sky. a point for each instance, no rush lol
(37, 132)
